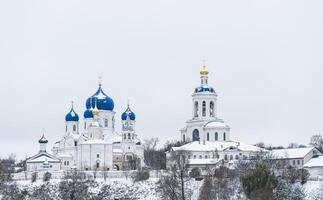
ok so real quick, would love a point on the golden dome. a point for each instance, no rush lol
(204, 71)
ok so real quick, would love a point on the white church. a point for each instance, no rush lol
(94, 143)
(207, 137)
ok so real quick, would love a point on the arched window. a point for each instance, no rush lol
(237, 157)
(216, 136)
(196, 135)
(225, 157)
(183, 138)
(211, 109)
(200, 156)
(196, 109)
(207, 136)
(224, 136)
(74, 127)
(124, 136)
(203, 109)
(129, 136)
(231, 157)
(106, 122)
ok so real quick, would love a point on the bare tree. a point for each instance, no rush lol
(173, 186)
(74, 186)
(317, 141)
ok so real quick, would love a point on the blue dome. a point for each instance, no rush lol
(102, 101)
(72, 116)
(88, 114)
(204, 89)
(129, 112)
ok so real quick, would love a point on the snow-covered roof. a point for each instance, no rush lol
(43, 157)
(64, 155)
(117, 150)
(291, 153)
(94, 141)
(217, 145)
(216, 124)
(203, 161)
(315, 162)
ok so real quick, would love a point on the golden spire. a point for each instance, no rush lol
(95, 110)
(100, 83)
(204, 71)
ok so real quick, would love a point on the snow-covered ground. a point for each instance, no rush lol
(122, 187)
(147, 190)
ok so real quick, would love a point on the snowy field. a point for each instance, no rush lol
(124, 187)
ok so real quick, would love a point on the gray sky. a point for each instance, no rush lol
(265, 61)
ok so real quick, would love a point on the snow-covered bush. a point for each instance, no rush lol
(75, 186)
(34, 177)
(195, 172)
(140, 175)
(47, 176)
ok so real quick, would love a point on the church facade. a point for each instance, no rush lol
(94, 143)
(206, 137)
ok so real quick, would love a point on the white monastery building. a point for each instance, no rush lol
(207, 142)
(94, 143)
(207, 137)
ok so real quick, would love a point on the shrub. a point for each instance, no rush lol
(140, 175)
(33, 177)
(259, 183)
(195, 172)
(304, 174)
(47, 176)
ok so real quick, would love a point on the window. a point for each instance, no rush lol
(203, 109)
(225, 157)
(231, 157)
(196, 135)
(125, 136)
(216, 136)
(207, 136)
(129, 136)
(211, 109)
(293, 162)
(129, 157)
(224, 136)
(106, 122)
(194, 156)
(84, 125)
(196, 109)
(66, 128)
(183, 138)
(237, 157)
(200, 157)
(98, 155)
(298, 162)
(97, 165)
(189, 157)
(75, 143)
(205, 156)
(74, 127)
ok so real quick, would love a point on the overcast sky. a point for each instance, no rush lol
(264, 57)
